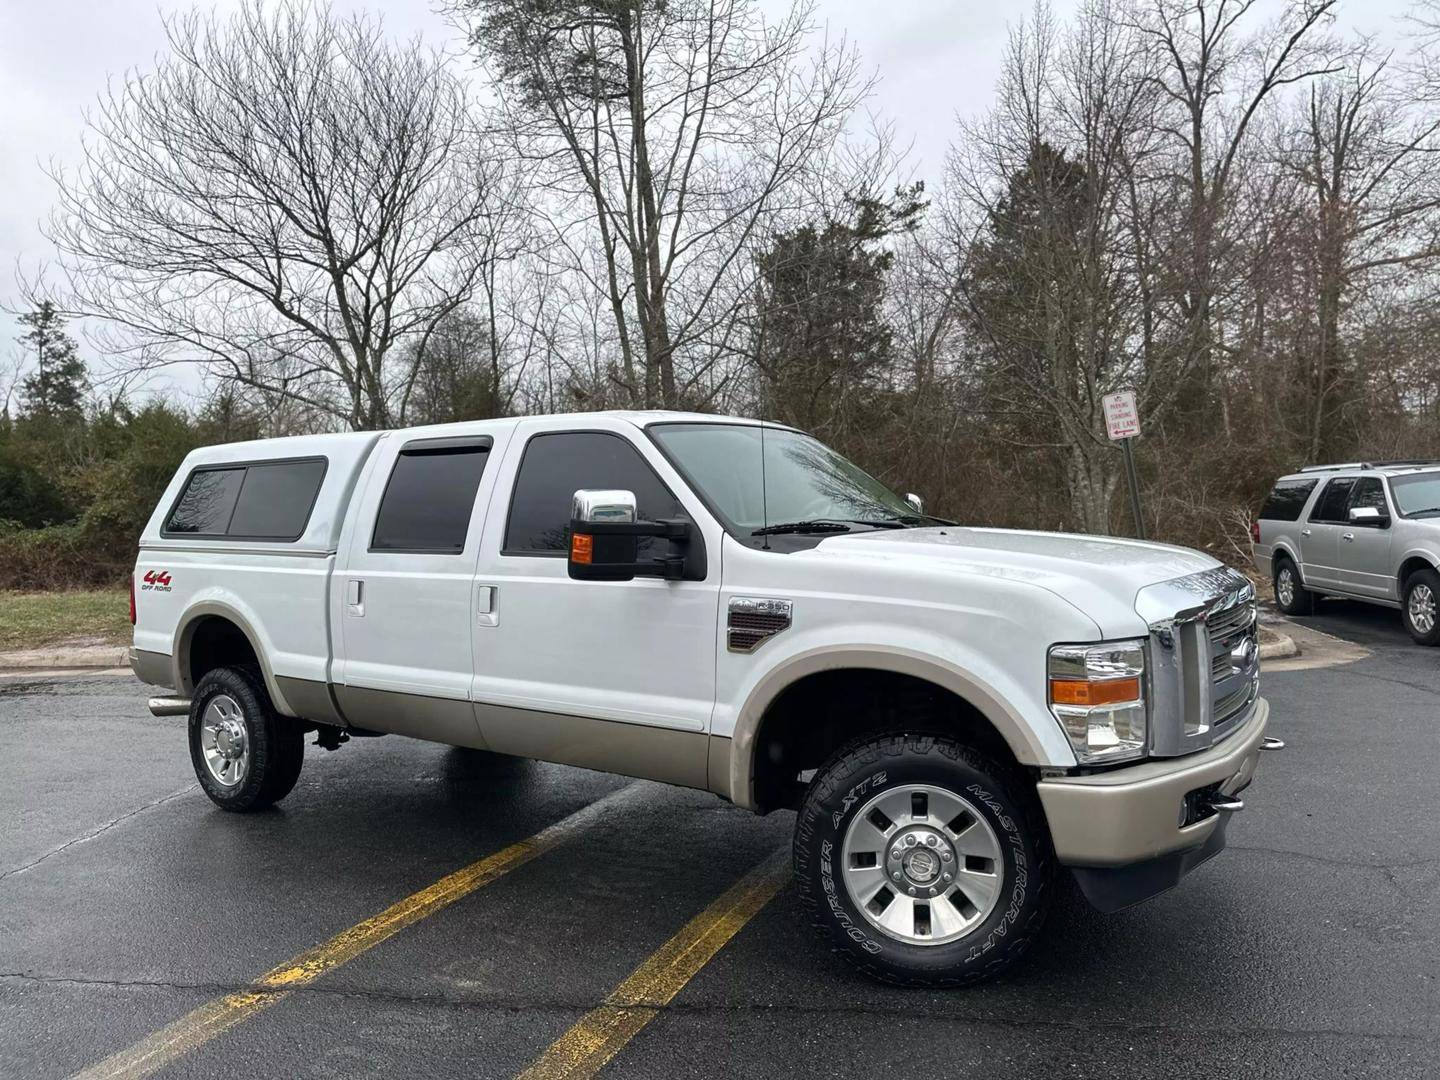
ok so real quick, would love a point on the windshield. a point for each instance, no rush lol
(804, 479)
(1418, 493)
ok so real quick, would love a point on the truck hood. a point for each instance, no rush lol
(1098, 575)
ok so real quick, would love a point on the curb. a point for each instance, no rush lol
(1279, 647)
(88, 656)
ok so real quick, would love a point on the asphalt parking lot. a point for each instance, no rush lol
(129, 906)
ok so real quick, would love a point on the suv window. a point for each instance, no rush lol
(268, 500)
(1333, 500)
(1287, 500)
(428, 500)
(1369, 492)
(556, 466)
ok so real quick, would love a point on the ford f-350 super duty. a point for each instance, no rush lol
(954, 713)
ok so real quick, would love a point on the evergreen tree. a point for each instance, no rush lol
(56, 389)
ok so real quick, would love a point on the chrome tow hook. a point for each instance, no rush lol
(1224, 804)
(1267, 743)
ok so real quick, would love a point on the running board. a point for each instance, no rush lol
(170, 706)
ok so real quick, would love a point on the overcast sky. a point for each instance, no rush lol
(935, 59)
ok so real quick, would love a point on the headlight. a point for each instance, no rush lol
(1097, 692)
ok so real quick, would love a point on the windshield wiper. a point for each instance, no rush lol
(1427, 510)
(819, 525)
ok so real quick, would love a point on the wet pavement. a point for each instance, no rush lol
(1311, 948)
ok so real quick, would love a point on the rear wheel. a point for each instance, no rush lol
(922, 862)
(1290, 596)
(1422, 594)
(246, 755)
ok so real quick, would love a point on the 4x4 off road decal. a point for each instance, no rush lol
(155, 581)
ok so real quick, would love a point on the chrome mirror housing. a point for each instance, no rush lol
(916, 502)
(1365, 515)
(596, 505)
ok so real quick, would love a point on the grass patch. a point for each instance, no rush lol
(31, 619)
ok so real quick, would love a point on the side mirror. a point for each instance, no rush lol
(1369, 515)
(605, 539)
(916, 502)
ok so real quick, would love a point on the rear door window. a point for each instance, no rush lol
(429, 499)
(1287, 500)
(1331, 507)
(263, 500)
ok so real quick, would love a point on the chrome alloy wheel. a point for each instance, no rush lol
(1421, 608)
(225, 741)
(1285, 586)
(922, 865)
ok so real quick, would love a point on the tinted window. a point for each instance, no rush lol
(268, 500)
(1287, 500)
(556, 466)
(429, 499)
(1369, 492)
(1333, 501)
(207, 502)
(275, 500)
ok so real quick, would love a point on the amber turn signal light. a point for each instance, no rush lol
(582, 548)
(1098, 692)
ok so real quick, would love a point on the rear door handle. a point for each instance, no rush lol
(487, 605)
(355, 598)
(1304, 532)
(1348, 537)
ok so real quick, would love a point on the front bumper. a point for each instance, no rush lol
(1135, 815)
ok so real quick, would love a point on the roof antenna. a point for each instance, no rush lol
(764, 499)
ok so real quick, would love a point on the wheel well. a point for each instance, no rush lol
(215, 642)
(1410, 566)
(818, 714)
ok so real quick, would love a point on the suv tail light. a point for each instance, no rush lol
(1254, 532)
(132, 599)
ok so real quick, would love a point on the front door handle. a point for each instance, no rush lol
(1348, 537)
(355, 598)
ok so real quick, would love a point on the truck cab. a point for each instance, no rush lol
(713, 602)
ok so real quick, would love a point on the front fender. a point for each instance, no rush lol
(1018, 712)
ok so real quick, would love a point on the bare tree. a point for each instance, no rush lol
(285, 199)
(666, 133)
(1215, 79)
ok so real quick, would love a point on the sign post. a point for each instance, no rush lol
(1122, 424)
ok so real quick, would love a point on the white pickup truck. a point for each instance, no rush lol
(710, 602)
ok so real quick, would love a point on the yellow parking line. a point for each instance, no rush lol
(213, 1018)
(601, 1033)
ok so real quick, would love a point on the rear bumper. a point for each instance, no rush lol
(1134, 816)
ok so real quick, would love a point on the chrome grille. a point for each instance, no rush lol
(1205, 658)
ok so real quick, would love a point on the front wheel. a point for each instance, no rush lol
(922, 862)
(246, 755)
(1422, 592)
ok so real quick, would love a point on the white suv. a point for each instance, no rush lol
(1363, 531)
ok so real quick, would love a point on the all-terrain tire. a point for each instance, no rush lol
(274, 745)
(1422, 592)
(1291, 596)
(1005, 801)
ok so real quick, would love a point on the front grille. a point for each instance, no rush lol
(1205, 658)
(1234, 652)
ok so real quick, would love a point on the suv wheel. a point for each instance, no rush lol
(1422, 595)
(246, 755)
(1290, 596)
(922, 862)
